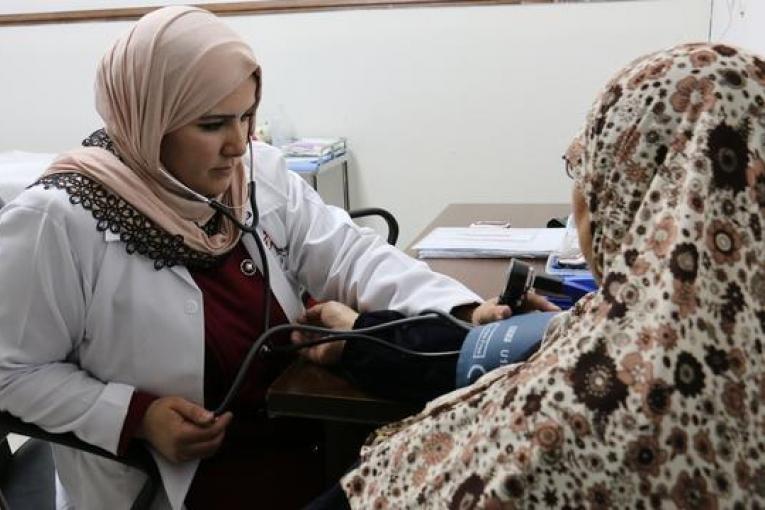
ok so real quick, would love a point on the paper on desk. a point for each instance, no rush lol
(465, 242)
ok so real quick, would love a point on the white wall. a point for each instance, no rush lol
(739, 22)
(440, 105)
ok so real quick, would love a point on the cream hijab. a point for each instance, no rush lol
(169, 69)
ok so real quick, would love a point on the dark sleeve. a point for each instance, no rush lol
(388, 373)
(139, 403)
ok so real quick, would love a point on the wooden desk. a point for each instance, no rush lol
(486, 276)
(307, 390)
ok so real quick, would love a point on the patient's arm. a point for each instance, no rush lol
(379, 369)
(388, 373)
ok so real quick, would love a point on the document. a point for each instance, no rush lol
(317, 147)
(466, 242)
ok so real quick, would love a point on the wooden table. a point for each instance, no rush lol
(307, 390)
(486, 276)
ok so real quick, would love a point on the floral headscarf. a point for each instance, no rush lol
(651, 391)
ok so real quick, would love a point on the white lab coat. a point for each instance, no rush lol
(83, 323)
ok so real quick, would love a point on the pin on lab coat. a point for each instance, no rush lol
(83, 323)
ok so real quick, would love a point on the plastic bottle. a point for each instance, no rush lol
(282, 132)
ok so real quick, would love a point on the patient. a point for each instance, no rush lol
(651, 391)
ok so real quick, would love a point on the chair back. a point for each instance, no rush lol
(390, 220)
(27, 476)
(137, 456)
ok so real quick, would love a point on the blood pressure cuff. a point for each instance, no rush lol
(501, 343)
(398, 376)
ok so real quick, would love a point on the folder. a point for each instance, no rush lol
(466, 242)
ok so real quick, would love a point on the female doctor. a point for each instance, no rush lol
(128, 302)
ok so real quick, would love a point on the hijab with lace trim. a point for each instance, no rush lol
(651, 391)
(170, 68)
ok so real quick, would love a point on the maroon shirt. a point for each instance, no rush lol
(274, 462)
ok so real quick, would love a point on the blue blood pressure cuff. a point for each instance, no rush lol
(500, 343)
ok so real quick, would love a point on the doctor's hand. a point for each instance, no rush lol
(540, 303)
(330, 314)
(182, 430)
(490, 311)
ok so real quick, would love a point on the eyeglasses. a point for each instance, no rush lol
(569, 167)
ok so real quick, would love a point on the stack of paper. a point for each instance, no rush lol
(466, 242)
(322, 148)
(306, 155)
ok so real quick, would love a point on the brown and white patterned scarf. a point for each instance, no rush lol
(651, 392)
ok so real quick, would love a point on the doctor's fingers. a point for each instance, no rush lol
(185, 441)
(199, 449)
(490, 311)
(333, 314)
(313, 315)
(330, 314)
(190, 411)
(321, 314)
(325, 354)
(301, 337)
(189, 433)
(536, 302)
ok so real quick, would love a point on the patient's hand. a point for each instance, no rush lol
(182, 430)
(332, 315)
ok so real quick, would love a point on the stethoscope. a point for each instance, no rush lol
(329, 335)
